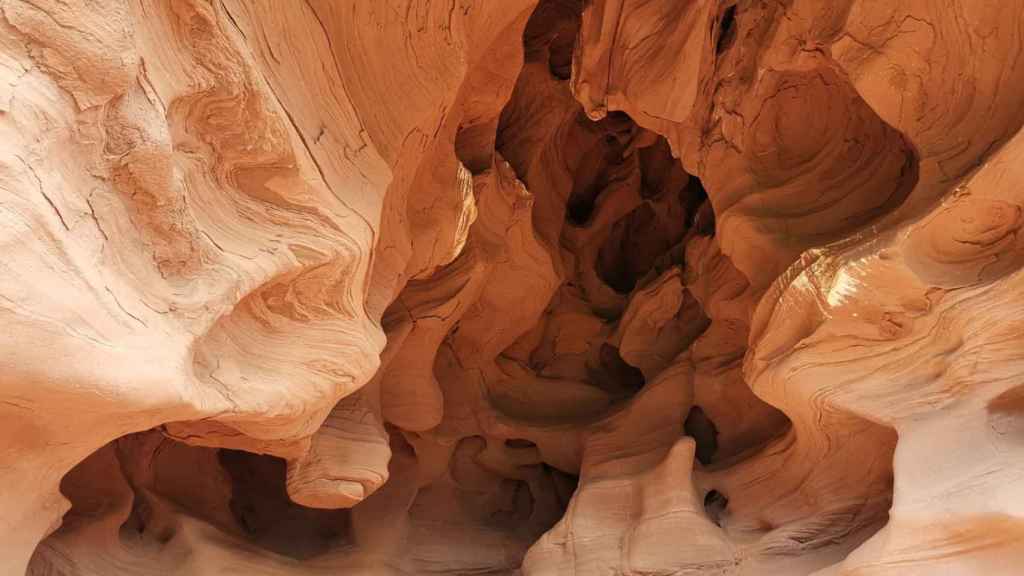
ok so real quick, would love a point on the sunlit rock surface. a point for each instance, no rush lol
(516, 287)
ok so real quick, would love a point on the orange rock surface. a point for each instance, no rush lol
(511, 287)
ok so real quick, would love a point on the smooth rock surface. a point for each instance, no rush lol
(516, 287)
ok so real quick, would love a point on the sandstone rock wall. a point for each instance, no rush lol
(516, 287)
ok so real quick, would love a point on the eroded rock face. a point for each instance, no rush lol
(529, 287)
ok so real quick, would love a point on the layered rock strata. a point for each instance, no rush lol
(530, 287)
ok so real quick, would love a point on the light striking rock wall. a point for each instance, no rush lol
(529, 287)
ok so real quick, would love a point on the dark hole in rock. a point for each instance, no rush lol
(618, 373)
(694, 195)
(560, 53)
(579, 209)
(519, 443)
(700, 212)
(565, 484)
(620, 129)
(618, 118)
(714, 505)
(704, 432)
(399, 442)
(726, 30)
(636, 243)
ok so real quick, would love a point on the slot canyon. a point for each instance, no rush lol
(511, 287)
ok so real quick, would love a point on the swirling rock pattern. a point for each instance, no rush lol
(527, 288)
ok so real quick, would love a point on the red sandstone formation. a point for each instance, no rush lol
(511, 287)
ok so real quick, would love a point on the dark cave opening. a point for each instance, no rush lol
(726, 30)
(704, 432)
(617, 374)
(565, 484)
(654, 234)
(715, 504)
(630, 250)
(560, 51)
(519, 443)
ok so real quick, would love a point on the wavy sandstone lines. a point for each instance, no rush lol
(530, 287)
